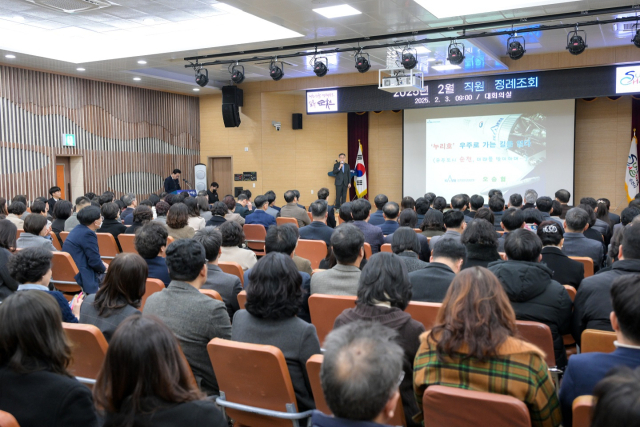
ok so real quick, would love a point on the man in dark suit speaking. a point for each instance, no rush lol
(343, 178)
(172, 182)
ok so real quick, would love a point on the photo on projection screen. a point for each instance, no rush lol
(511, 147)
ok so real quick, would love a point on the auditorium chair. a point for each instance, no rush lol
(88, 349)
(325, 308)
(313, 371)
(386, 248)
(234, 268)
(8, 420)
(456, 407)
(593, 340)
(127, 243)
(64, 271)
(63, 235)
(211, 294)
(255, 385)
(56, 244)
(569, 342)
(255, 235)
(539, 335)
(582, 409)
(424, 312)
(313, 250)
(152, 286)
(587, 262)
(242, 299)
(107, 247)
(310, 216)
(19, 233)
(417, 230)
(367, 251)
(283, 220)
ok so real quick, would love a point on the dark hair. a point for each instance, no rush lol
(30, 265)
(550, 233)
(602, 213)
(82, 201)
(90, 195)
(17, 208)
(192, 206)
(154, 199)
(513, 219)
(631, 242)
(422, 206)
(345, 212)
(458, 202)
(433, 220)
(576, 219)
(614, 246)
(259, 201)
(171, 199)
(247, 193)
(176, 171)
(232, 234)
(628, 214)
(144, 370)
(479, 232)
(318, 208)
(496, 204)
(54, 189)
(385, 279)
(486, 214)
(616, 398)
(439, 203)
(625, 299)
(3, 206)
(476, 201)
(544, 204)
(408, 218)
(88, 215)
(230, 202)
(407, 203)
(142, 214)
(515, 200)
(289, 196)
(120, 204)
(211, 239)
(380, 200)
(476, 313)
(185, 259)
(275, 291)
(346, 241)
(405, 239)
(323, 193)
(123, 285)
(391, 210)
(360, 209)
(453, 219)
(522, 245)
(494, 192)
(38, 207)
(556, 208)
(203, 203)
(31, 337)
(150, 239)
(178, 216)
(8, 233)
(219, 209)
(342, 154)
(532, 216)
(282, 238)
(563, 196)
(146, 202)
(162, 208)
(589, 210)
(605, 201)
(450, 249)
(589, 201)
(34, 223)
(108, 210)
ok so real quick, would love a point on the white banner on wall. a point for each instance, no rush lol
(325, 101)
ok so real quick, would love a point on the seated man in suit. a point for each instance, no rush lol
(323, 194)
(565, 270)
(111, 223)
(592, 305)
(227, 285)
(127, 215)
(71, 222)
(359, 375)
(431, 283)
(241, 206)
(496, 204)
(292, 210)
(530, 197)
(584, 371)
(272, 210)
(515, 201)
(455, 225)
(563, 196)
(297, 194)
(475, 202)
(544, 205)
(377, 218)
(347, 242)
(360, 209)
(318, 229)
(390, 213)
(512, 219)
(260, 215)
(575, 243)
(151, 244)
(626, 216)
(460, 203)
(193, 317)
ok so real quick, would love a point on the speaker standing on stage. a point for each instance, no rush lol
(172, 182)
(343, 178)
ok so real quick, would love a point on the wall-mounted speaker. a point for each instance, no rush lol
(230, 115)
(297, 121)
(232, 95)
(201, 176)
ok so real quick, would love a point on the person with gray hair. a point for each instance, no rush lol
(131, 202)
(575, 243)
(390, 212)
(530, 197)
(360, 375)
(318, 229)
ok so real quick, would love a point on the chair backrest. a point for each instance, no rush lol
(310, 216)
(313, 250)
(152, 286)
(8, 420)
(242, 299)
(424, 312)
(456, 407)
(582, 409)
(417, 230)
(170, 240)
(107, 246)
(587, 262)
(56, 244)
(88, 349)
(600, 341)
(325, 308)
(19, 233)
(255, 234)
(286, 220)
(234, 268)
(571, 291)
(367, 250)
(64, 271)
(127, 243)
(254, 375)
(63, 235)
(539, 335)
(211, 294)
(386, 248)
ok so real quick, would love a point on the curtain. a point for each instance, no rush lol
(358, 130)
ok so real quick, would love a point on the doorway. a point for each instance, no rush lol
(220, 170)
(63, 171)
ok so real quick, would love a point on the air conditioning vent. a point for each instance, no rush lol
(72, 6)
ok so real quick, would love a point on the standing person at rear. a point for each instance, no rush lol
(343, 177)
(172, 182)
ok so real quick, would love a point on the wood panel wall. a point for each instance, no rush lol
(129, 139)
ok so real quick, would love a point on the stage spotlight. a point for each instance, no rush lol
(515, 49)
(409, 58)
(276, 72)
(237, 75)
(456, 55)
(575, 43)
(362, 63)
(636, 39)
(202, 77)
(320, 67)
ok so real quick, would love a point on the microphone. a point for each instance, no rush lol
(187, 182)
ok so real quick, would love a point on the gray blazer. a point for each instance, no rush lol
(71, 222)
(28, 240)
(339, 280)
(195, 319)
(291, 210)
(576, 244)
(108, 325)
(227, 285)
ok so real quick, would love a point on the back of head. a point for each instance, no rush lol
(523, 245)
(631, 242)
(458, 202)
(219, 209)
(422, 206)
(550, 233)
(242, 197)
(282, 239)
(408, 218)
(124, 284)
(232, 234)
(602, 212)
(589, 210)
(405, 239)
(34, 223)
(617, 397)
(192, 206)
(496, 203)
(323, 193)
(628, 214)
(154, 199)
(211, 239)
(203, 203)
(128, 199)
(385, 279)
(360, 371)
(430, 197)
(230, 202)
(530, 196)
(345, 212)
(450, 249)
(271, 195)
(20, 198)
(30, 265)
(433, 220)
(544, 204)
(515, 200)
(453, 219)
(439, 203)
(178, 216)
(391, 210)
(318, 209)
(563, 196)
(289, 196)
(494, 192)
(54, 189)
(625, 299)
(150, 239)
(260, 200)
(88, 215)
(589, 201)
(380, 201)
(576, 219)
(38, 207)
(31, 337)
(162, 208)
(486, 214)
(475, 312)
(556, 208)
(108, 211)
(532, 216)
(17, 208)
(360, 209)
(185, 259)
(407, 203)
(8, 232)
(297, 193)
(476, 201)
(479, 232)
(142, 214)
(346, 241)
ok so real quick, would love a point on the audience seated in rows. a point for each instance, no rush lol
(8, 285)
(36, 233)
(591, 232)
(480, 240)
(454, 224)
(406, 245)
(323, 194)
(430, 284)
(600, 225)
(512, 219)
(377, 218)
(544, 205)
(384, 291)
(230, 202)
(232, 238)
(259, 215)
(373, 235)
(141, 216)
(576, 243)
(347, 243)
(293, 210)
(474, 345)
(565, 270)
(318, 229)
(390, 212)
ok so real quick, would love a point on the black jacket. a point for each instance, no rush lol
(536, 297)
(317, 231)
(216, 221)
(592, 305)
(7, 284)
(480, 255)
(171, 184)
(342, 175)
(213, 196)
(430, 284)
(189, 414)
(565, 270)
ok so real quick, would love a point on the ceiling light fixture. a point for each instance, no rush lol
(337, 11)
(195, 89)
(10, 56)
(276, 72)
(575, 43)
(445, 67)
(362, 64)
(137, 79)
(441, 9)
(456, 53)
(409, 58)
(202, 76)
(142, 62)
(515, 49)
(237, 75)
(80, 69)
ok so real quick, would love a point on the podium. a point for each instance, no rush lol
(192, 193)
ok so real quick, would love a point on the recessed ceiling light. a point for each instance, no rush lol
(445, 67)
(9, 56)
(18, 18)
(142, 62)
(195, 89)
(337, 11)
(441, 9)
(80, 69)
(137, 79)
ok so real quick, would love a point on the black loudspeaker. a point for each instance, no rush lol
(230, 115)
(232, 95)
(237, 191)
(297, 121)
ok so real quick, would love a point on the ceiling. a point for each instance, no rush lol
(108, 41)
